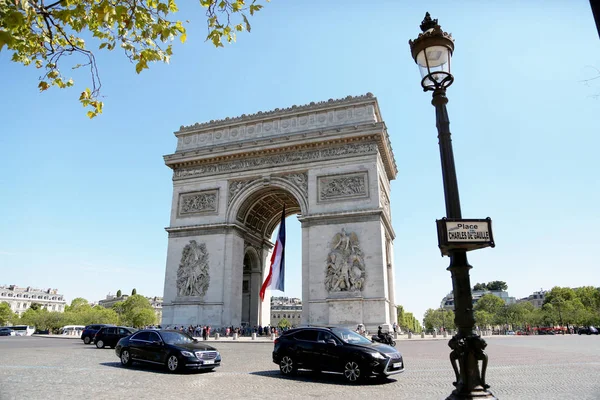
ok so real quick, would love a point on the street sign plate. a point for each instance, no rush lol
(464, 234)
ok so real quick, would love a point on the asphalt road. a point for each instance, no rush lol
(541, 367)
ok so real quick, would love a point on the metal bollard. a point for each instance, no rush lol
(272, 336)
(217, 336)
(235, 336)
(445, 334)
(410, 335)
(395, 335)
(434, 334)
(253, 336)
(422, 335)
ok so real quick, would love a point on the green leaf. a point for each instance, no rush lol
(43, 86)
(246, 22)
(5, 38)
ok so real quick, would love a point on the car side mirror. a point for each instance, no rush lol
(157, 343)
(331, 342)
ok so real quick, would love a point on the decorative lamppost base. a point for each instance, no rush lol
(483, 394)
(467, 351)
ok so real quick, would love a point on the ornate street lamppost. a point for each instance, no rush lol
(432, 51)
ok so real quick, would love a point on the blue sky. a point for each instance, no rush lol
(83, 203)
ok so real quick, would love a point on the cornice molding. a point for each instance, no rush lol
(310, 153)
(261, 115)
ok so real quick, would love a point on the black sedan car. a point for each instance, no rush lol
(6, 332)
(588, 330)
(89, 331)
(335, 350)
(173, 349)
(110, 335)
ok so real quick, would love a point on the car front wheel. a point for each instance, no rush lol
(87, 340)
(287, 366)
(353, 371)
(100, 344)
(173, 363)
(125, 357)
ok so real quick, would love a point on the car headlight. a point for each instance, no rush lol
(378, 355)
(187, 354)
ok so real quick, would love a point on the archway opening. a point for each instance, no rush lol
(260, 214)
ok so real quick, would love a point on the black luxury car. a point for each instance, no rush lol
(89, 331)
(335, 350)
(6, 331)
(176, 350)
(588, 330)
(110, 335)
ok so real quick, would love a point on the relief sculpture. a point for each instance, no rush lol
(192, 274)
(200, 202)
(345, 264)
(348, 186)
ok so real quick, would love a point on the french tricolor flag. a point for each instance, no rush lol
(277, 271)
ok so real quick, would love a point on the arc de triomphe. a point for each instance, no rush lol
(331, 164)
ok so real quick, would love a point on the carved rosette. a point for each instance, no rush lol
(347, 186)
(198, 202)
(192, 275)
(345, 270)
(300, 180)
(252, 163)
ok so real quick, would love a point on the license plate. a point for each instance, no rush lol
(397, 365)
(209, 362)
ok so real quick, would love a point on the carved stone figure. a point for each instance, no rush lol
(345, 269)
(300, 180)
(267, 161)
(236, 186)
(343, 186)
(192, 274)
(199, 202)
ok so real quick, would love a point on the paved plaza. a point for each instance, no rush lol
(541, 367)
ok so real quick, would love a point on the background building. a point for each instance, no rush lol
(286, 307)
(448, 301)
(21, 298)
(536, 298)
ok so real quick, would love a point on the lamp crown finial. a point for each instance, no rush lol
(428, 23)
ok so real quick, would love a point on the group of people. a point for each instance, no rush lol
(205, 330)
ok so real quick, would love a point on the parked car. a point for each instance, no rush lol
(174, 349)
(335, 350)
(89, 331)
(110, 335)
(7, 332)
(588, 330)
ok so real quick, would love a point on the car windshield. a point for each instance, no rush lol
(176, 337)
(348, 336)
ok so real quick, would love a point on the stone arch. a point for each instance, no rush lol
(258, 205)
(328, 162)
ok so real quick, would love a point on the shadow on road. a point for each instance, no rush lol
(153, 368)
(329, 378)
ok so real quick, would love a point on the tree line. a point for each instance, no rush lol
(135, 311)
(562, 306)
(407, 321)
